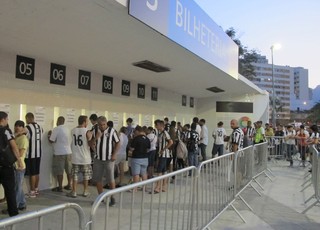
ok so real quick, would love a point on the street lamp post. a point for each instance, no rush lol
(273, 114)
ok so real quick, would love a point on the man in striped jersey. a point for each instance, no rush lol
(236, 136)
(164, 154)
(33, 158)
(249, 134)
(81, 157)
(108, 144)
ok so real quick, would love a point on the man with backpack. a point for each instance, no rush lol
(192, 146)
(8, 154)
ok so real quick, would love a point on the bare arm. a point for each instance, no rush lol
(16, 152)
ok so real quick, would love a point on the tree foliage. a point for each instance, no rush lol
(314, 115)
(246, 56)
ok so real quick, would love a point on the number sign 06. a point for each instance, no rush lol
(58, 74)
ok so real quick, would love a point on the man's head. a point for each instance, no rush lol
(195, 120)
(234, 124)
(29, 118)
(83, 121)
(159, 125)
(3, 118)
(166, 120)
(301, 127)
(129, 121)
(102, 123)
(220, 124)
(18, 126)
(93, 119)
(202, 122)
(249, 123)
(60, 120)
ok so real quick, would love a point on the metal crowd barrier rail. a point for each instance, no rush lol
(277, 147)
(315, 180)
(172, 209)
(260, 162)
(17, 222)
(195, 199)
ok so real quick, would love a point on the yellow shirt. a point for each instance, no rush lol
(22, 143)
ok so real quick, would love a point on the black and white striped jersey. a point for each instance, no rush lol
(236, 139)
(105, 144)
(163, 139)
(34, 135)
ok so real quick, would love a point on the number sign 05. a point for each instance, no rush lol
(58, 74)
(25, 68)
(84, 80)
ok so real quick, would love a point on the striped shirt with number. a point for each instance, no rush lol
(218, 135)
(105, 144)
(34, 135)
(236, 139)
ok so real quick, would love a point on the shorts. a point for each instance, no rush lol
(217, 149)
(101, 169)
(139, 166)
(151, 158)
(86, 171)
(120, 158)
(163, 164)
(61, 163)
(32, 166)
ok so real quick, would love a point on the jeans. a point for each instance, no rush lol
(193, 158)
(21, 200)
(203, 151)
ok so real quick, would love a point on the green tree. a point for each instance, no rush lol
(246, 56)
(314, 115)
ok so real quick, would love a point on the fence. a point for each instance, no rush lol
(315, 180)
(277, 147)
(194, 199)
(21, 221)
(172, 209)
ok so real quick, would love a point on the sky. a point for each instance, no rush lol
(261, 23)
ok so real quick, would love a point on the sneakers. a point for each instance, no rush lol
(86, 194)
(67, 187)
(22, 208)
(112, 202)
(31, 194)
(72, 194)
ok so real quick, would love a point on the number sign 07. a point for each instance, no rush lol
(84, 80)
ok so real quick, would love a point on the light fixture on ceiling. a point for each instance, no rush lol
(151, 66)
(215, 89)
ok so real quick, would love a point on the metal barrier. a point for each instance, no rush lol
(172, 209)
(195, 199)
(215, 188)
(277, 147)
(17, 222)
(315, 180)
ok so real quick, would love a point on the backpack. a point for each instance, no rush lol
(7, 158)
(181, 150)
(192, 143)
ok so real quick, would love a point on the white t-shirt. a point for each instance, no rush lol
(198, 129)
(80, 147)
(204, 135)
(123, 144)
(290, 141)
(62, 140)
(219, 134)
(153, 141)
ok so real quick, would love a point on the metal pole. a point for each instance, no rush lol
(273, 93)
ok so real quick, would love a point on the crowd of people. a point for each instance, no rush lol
(98, 155)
